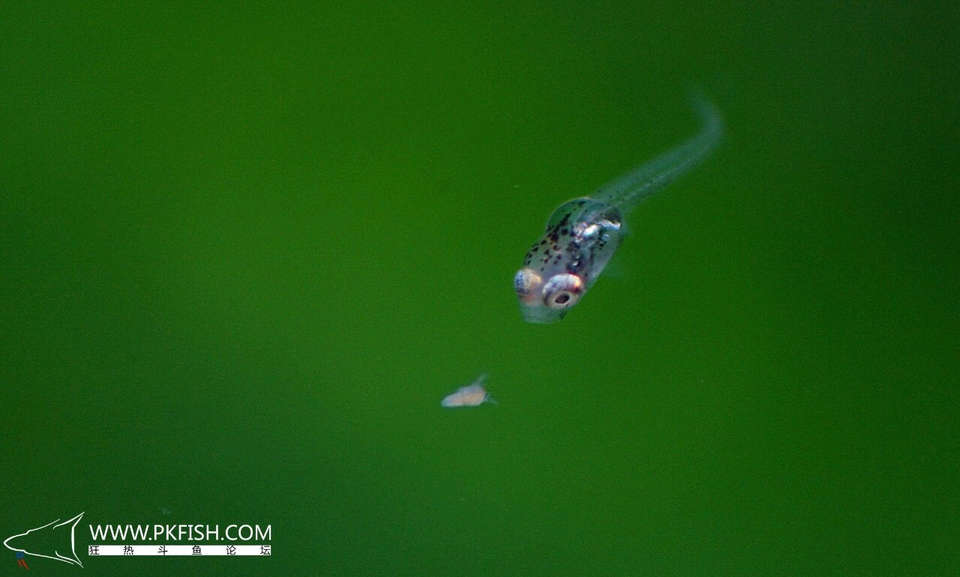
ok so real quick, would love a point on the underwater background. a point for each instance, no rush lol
(246, 251)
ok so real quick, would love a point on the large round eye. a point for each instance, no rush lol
(562, 291)
(525, 282)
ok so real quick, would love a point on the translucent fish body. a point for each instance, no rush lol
(582, 234)
(470, 396)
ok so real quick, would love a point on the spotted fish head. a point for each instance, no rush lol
(581, 236)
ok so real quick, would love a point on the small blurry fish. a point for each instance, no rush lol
(472, 395)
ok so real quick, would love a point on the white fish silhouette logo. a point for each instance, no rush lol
(45, 536)
(471, 395)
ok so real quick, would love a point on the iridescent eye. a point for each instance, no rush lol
(562, 291)
(525, 282)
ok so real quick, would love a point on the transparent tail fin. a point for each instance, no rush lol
(650, 177)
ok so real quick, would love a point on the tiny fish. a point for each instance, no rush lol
(582, 234)
(471, 395)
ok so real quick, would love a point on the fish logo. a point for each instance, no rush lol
(56, 540)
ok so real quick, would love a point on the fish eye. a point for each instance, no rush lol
(561, 300)
(525, 282)
(562, 291)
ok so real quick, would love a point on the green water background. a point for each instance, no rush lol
(246, 251)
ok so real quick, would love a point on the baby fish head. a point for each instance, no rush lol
(581, 236)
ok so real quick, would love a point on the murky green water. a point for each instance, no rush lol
(246, 252)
